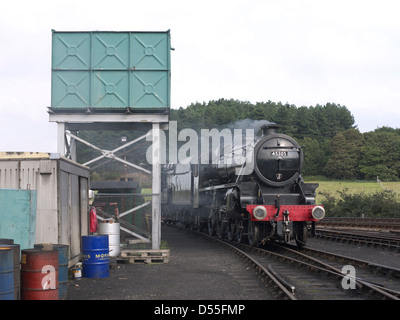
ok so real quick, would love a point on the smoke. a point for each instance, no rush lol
(208, 145)
(250, 124)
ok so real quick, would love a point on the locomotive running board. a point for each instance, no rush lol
(221, 186)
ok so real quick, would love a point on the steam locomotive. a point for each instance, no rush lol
(271, 202)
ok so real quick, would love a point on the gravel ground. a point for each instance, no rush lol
(377, 255)
(197, 270)
(203, 280)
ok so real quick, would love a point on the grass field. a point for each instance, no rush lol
(332, 187)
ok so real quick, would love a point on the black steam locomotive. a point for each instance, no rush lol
(272, 202)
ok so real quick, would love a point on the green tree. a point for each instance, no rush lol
(380, 155)
(345, 155)
(286, 117)
(263, 111)
(333, 119)
(306, 123)
(314, 156)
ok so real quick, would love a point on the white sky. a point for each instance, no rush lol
(304, 52)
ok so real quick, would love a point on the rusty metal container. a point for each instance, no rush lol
(39, 275)
(63, 258)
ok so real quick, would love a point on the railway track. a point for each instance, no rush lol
(297, 274)
(379, 240)
(387, 278)
(361, 223)
(373, 280)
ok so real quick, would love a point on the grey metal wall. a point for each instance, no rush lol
(62, 196)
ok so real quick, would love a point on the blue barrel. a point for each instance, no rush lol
(17, 268)
(95, 257)
(6, 241)
(63, 259)
(6, 274)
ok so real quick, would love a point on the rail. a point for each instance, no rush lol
(366, 223)
(358, 237)
(365, 286)
(304, 259)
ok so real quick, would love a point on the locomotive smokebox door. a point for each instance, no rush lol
(278, 160)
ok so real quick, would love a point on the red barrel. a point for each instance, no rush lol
(39, 274)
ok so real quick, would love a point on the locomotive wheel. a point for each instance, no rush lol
(300, 232)
(165, 213)
(231, 231)
(220, 226)
(239, 232)
(252, 233)
(211, 225)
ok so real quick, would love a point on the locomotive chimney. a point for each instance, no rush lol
(268, 129)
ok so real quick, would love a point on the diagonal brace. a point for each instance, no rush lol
(111, 154)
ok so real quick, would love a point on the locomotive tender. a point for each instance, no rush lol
(270, 203)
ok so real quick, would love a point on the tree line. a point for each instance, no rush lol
(332, 144)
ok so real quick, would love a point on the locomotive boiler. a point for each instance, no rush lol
(269, 201)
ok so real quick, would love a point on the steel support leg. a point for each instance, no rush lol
(156, 188)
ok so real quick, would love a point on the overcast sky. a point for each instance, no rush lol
(295, 51)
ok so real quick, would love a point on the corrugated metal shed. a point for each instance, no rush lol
(62, 195)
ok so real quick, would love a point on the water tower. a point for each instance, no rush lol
(112, 81)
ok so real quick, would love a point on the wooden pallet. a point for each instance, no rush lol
(144, 256)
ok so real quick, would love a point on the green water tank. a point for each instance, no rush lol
(110, 71)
